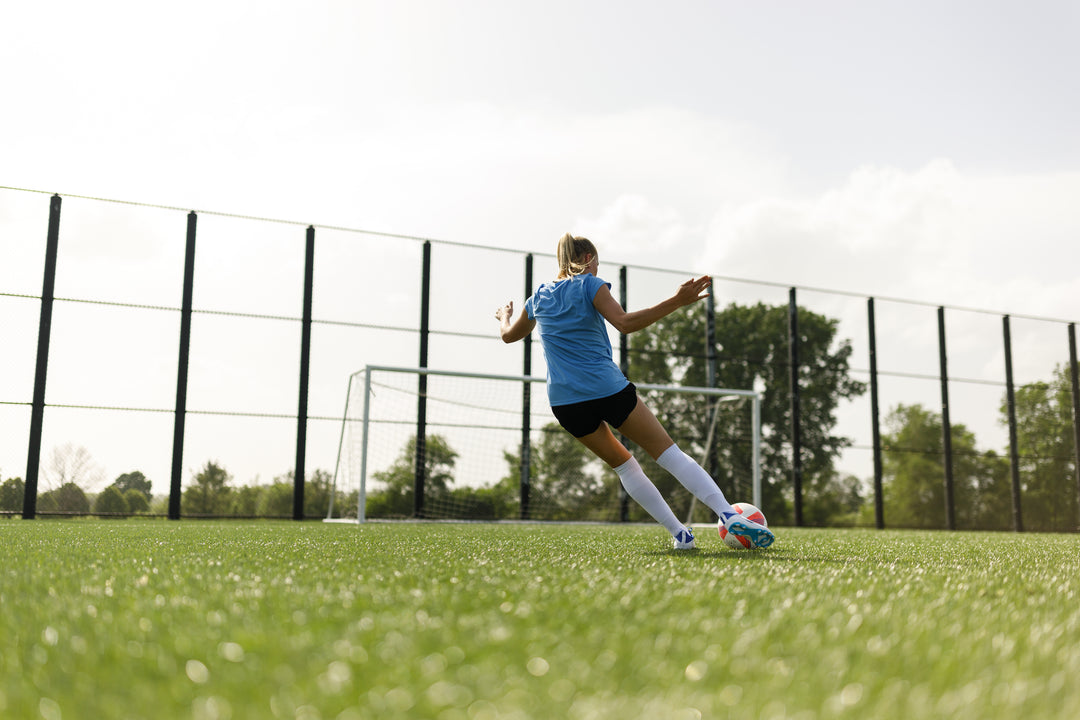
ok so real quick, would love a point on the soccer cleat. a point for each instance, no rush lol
(684, 540)
(758, 536)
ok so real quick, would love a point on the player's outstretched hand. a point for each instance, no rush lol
(506, 312)
(693, 290)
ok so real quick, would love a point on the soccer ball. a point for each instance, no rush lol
(750, 512)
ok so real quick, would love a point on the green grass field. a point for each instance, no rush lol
(152, 619)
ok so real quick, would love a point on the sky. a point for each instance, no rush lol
(917, 150)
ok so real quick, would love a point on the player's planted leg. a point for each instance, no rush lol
(639, 487)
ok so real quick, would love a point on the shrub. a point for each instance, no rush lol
(68, 498)
(136, 501)
(111, 501)
(11, 494)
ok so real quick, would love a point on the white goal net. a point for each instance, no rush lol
(425, 443)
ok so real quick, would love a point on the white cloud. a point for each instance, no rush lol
(937, 234)
(633, 226)
(521, 176)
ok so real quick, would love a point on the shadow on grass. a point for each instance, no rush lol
(768, 555)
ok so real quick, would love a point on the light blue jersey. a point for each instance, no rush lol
(575, 340)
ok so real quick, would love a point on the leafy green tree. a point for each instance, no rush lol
(111, 501)
(913, 467)
(482, 503)
(11, 494)
(565, 481)
(345, 503)
(396, 498)
(244, 501)
(832, 499)
(209, 495)
(134, 480)
(68, 498)
(317, 493)
(504, 497)
(137, 501)
(276, 499)
(1045, 443)
(753, 353)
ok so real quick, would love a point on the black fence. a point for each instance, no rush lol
(293, 308)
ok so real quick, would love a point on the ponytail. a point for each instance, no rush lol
(571, 252)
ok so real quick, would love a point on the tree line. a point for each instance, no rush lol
(212, 493)
(913, 464)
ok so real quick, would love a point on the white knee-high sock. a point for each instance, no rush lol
(694, 478)
(640, 488)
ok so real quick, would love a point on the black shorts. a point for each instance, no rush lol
(581, 419)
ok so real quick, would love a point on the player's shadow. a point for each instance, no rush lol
(720, 553)
(771, 555)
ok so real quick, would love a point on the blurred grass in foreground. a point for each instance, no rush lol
(220, 620)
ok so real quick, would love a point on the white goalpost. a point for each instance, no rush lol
(418, 442)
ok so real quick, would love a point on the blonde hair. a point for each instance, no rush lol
(571, 252)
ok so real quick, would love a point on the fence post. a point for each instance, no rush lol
(1014, 452)
(1076, 405)
(305, 369)
(946, 425)
(422, 383)
(875, 420)
(712, 372)
(796, 406)
(526, 402)
(180, 414)
(624, 365)
(711, 365)
(37, 411)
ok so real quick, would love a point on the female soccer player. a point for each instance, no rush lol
(588, 392)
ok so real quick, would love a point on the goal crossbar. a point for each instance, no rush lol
(367, 370)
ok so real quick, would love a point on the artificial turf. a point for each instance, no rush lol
(218, 620)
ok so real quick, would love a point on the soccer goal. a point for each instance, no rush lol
(438, 444)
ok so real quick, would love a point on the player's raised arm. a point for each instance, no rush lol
(627, 322)
(517, 329)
